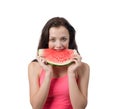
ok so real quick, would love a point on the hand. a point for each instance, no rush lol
(47, 67)
(75, 65)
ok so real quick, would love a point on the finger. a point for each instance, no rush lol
(41, 60)
(44, 61)
(74, 60)
(77, 58)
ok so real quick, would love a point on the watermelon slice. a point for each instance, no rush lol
(57, 57)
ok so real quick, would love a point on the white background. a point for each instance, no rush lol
(97, 23)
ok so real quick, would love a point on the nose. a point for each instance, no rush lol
(58, 44)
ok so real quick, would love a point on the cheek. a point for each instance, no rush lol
(50, 45)
(66, 44)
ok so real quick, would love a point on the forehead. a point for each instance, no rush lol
(58, 31)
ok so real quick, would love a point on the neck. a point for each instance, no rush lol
(60, 69)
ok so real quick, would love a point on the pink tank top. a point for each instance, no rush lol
(58, 97)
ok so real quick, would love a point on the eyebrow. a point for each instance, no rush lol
(55, 37)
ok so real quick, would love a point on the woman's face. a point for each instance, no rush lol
(58, 38)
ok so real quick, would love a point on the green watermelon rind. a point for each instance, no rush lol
(57, 64)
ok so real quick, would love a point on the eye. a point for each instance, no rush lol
(63, 38)
(52, 39)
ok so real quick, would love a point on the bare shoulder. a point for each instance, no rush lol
(85, 66)
(34, 68)
(84, 69)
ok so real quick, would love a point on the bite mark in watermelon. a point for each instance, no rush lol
(58, 58)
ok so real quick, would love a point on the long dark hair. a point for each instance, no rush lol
(56, 22)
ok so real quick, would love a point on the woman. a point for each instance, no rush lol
(58, 87)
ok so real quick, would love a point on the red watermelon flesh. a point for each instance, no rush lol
(57, 57)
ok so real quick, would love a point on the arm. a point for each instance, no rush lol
(38, 94)
(78, 92)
